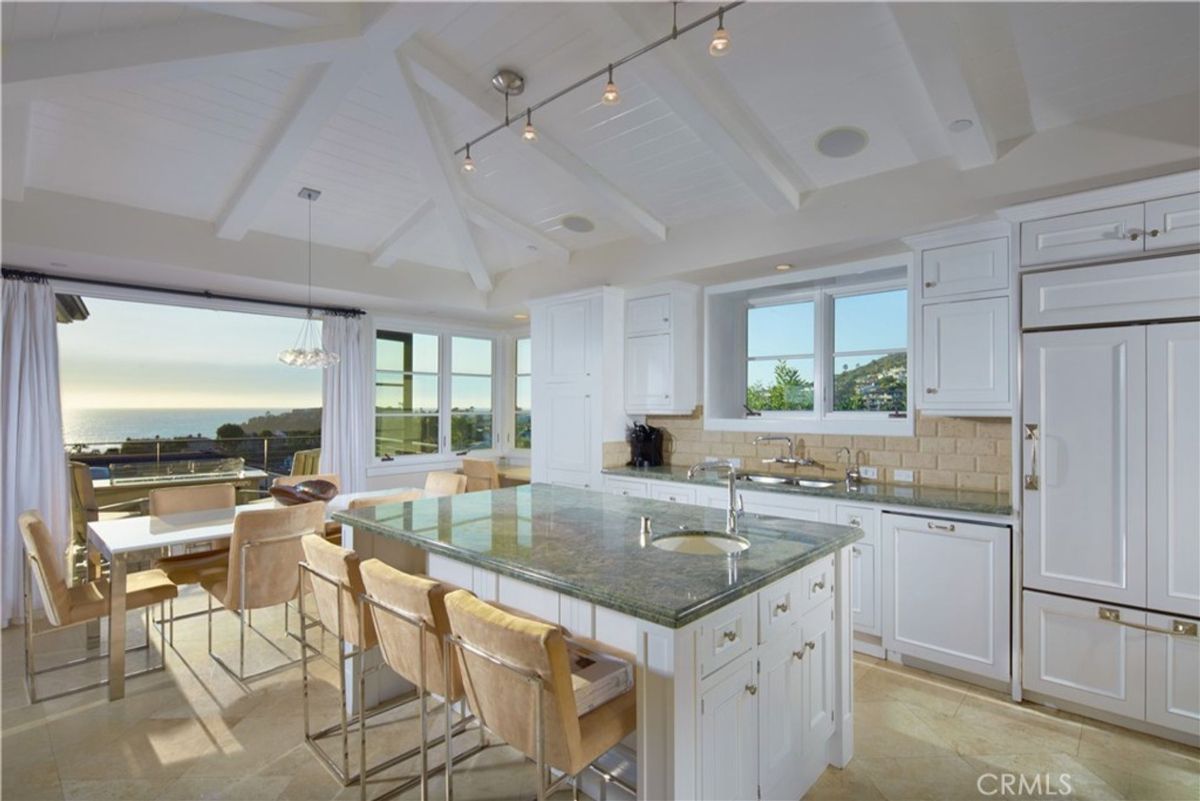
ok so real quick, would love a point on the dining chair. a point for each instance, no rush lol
(264, 553)
(380, 500)
(481, 475)
(306, 462)
(409, 617)
(442, 482)
(517, 676)
(83, 603)
(86, 509)
(189, 568)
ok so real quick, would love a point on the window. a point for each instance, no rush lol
(470, 393)
(523, 395)
(406, 394)
(829, 353)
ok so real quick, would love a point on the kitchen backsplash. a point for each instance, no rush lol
(968, 453)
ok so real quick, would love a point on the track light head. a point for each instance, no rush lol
(468, 163)
(611, 95)
(720, 41)
(530, 133)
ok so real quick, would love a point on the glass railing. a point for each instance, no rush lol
(132, 460)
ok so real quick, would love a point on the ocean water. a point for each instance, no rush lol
(117, 425)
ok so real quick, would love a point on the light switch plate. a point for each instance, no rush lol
(902, 476)
(869, 472)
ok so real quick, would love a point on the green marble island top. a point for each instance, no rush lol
(945, 499)
(587, 545)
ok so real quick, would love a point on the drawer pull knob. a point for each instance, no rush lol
(752, 689)
(810, 645)
(856, 522)
(819, 585)
(855, 550)
(930, 284)
(730, 636)
(799, 654)
(782, 607)
(1152, 232)
(930, 390)
(1134, 236)
(941, 526)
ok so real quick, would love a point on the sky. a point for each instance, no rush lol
(148, 356)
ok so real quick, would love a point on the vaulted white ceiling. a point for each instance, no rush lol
(221, 112)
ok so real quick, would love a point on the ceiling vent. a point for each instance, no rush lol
(580, 225)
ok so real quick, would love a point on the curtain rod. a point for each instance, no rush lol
(18, 274)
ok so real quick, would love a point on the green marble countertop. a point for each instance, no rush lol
(587, 545)
(955, 500)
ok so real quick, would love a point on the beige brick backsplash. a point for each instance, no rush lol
(968, 453)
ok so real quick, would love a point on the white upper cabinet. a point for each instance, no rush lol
(1103, 233)
(965, 354)
(648, 371)
(969, 267)
(1173, 222)
(650, 315)
(567, 346)
(1173, 468)
(1085, 463)
(662, 352)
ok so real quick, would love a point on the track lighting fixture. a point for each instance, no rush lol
(530, 133)
(612, 95)
(720, 40)
(468, 164)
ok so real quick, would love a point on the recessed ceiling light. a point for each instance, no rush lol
(520, 316)
(531, 247)
(843, 142)
(958, 126)
(578, 224)
(783, 267)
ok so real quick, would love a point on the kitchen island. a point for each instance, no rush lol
(743, 661)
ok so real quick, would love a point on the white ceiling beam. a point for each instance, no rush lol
(16, 150)
(323, 91)
(931, 36)
(487, 216)
(41, 68)
(439, 172)
(696, 92)
(387, 252)
(453, 86)
(266, 13)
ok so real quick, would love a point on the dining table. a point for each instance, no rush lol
(121, 538)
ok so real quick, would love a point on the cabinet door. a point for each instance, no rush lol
(958, 269)
(781, 713)
(567, 421)
(1173, 468)
(820, 675)
(946, 592)
(648, 372)
(1071, 653)
(1088, 235)
(650, 315)
(1173, 675)
(1173, 222)
(567, 345)
(729, 734)
(965, 354)
(863, 588)
(1085, 495)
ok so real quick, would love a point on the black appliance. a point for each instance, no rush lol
(645, 445)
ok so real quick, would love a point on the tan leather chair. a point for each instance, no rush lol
(82, 603)
(517, 676)
(264, 557)
(481, 475)
(409, 616)
(380, 500)
(306, 462)
(441, 482)
(86, 509)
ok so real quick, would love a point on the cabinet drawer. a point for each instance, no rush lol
(630, 489)
(860, 517)
(1145, 289)
(817, 582)
(1088, 235)
(958, 269)
(727, 634)
(650, 315)
(778, 608)
(1173, 222)
(1172, 668)
(673, 493)
(797, 507)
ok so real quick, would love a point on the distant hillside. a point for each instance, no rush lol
(878, 385)
(296, 420)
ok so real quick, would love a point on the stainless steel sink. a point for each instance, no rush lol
(703, 543)
(815, 483)
(767, 479)
(812, 483)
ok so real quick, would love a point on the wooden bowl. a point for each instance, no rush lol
(304, 492)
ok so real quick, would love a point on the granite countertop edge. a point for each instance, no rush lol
(998, 505)
(549, 582)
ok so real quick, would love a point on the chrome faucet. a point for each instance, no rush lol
(790, 459)
(735, 500)
(853, 476)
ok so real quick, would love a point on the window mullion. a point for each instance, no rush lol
(444, 384)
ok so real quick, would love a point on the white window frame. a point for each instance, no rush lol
(511, 408)
(865, 289)
(786, 300)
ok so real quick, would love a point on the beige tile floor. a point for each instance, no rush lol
(192, 733)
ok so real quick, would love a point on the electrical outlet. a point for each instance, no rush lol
(902, 476)
(736, 461)
(869, 472)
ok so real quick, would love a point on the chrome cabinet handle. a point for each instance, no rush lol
(1031, 436)
(856, 522)
(930, 284)
(752, 689)
(730, 636)
(930, 390)
(1134, 236)
(1152, 232)
(818, 586)
(940, 526)
(782, 607)
(1179, 628)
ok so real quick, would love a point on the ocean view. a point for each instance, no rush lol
(117, 425)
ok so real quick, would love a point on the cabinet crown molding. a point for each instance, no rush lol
(1181, 183)
(959, 235)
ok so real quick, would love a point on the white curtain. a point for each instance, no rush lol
(346, 410)
(34, 463)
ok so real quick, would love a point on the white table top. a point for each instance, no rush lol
(133, 534)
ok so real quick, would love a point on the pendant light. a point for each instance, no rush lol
(530, 133)
(612, 95)
(720, 41)
(468, 163)
(307, 350)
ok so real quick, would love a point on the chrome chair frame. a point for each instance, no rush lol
(245, 619)
(31, 671)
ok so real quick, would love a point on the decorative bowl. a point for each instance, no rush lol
(304, 492)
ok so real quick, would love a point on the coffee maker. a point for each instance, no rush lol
(645, 445)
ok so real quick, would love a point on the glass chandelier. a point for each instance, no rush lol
(307, 350)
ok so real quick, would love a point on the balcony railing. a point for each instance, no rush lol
(169, 456)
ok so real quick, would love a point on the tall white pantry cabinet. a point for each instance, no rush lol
(1110, 471)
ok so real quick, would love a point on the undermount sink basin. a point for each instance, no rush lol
(815, 483)
(704, 543)
(768, 479)
(812, 483)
